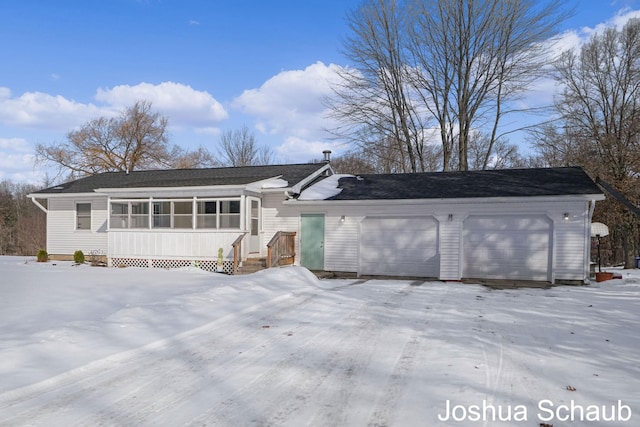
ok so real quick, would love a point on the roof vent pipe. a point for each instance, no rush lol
(327, 156)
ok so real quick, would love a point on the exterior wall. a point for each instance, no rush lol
(156, 244)
(569, 245)
(572, 243)
(569, 252)
(62, 236)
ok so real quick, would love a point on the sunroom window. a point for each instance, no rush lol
(175, 214)
(161, 214)
(183, 214)
(119, 215)
(207, 214)
(229, 214)
(139, 214)
(133, 214)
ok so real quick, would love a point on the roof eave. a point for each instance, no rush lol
(474, 200)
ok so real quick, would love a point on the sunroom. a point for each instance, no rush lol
(170, 231)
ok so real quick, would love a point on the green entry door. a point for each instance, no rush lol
(312, 241)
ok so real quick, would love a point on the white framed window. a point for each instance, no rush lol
(129, 214)
(175, 213)
(207, 214)
(83, 216)
(183, 214)
(229, 214)
(162, 214)
(119, 217)
(139, 214)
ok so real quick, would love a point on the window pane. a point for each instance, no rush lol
(162, 221)
(139, 221)
(207, 207)
(83, 208)
(119, 208)
(182, 222)
(162, 214)
(84, 223)
(161, 208)
(139, 208)
(83, 216)
(118, 221)
(206, 221)
(182, 208)
(230, 206)
(230, 221)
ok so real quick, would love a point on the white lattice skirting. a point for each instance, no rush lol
(207, 265)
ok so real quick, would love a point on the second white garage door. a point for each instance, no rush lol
(506, 247)
(399, 246)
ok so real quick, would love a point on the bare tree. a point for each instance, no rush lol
(373, 103)
(194, 159)
(450, 65)
(136, 139)
(504, 154)
(600, 116)
(239, 148)
(472, 57)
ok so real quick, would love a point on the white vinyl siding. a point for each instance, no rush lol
(558, 252)
(63, 237)
(169, 244)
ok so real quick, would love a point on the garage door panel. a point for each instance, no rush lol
(507, 247)
(399, 246)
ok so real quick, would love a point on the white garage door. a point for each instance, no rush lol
(506, 247)
(399, 246)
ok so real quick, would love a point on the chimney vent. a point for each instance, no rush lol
(327, 156)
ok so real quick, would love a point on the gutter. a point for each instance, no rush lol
(37, 203)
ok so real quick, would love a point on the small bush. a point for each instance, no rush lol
(42, 256)
(78, 257)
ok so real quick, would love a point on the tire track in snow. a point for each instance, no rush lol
(386, 406)
(329, 379)
(152, 370)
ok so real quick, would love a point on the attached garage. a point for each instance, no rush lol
(513, 224)
(408, 246)
(507, 247)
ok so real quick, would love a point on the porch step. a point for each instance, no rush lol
(251, 265)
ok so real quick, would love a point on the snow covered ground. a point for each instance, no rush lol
(89, 346)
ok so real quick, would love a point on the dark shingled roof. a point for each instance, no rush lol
(448, 185)
(293, 174)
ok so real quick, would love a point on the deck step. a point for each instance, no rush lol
(251, 265)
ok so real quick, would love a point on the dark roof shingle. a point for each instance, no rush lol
(448, 185)
(293, 174)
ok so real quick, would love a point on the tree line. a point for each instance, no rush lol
(22, 223)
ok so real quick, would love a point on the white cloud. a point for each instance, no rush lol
(183, 105)
(15, 144)
(43, 111)
(290, 103)
(208, 131)
(17, 162)
(618, 21)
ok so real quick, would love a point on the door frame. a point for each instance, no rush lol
(254, 246)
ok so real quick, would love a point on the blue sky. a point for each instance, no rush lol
(208, 65)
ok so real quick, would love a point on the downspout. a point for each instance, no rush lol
(587, 240)
(38, 204)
